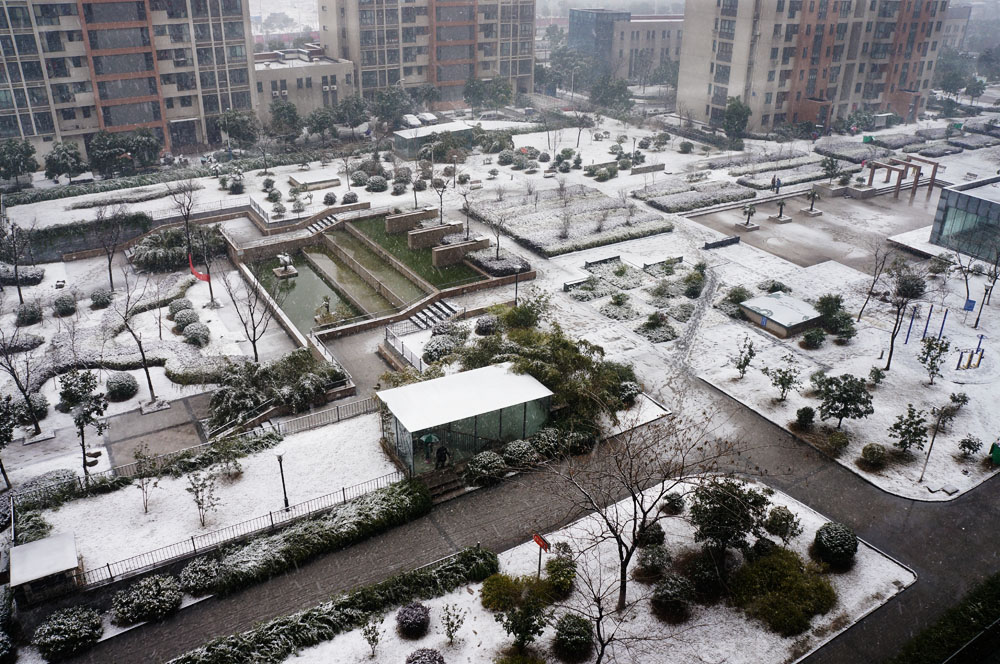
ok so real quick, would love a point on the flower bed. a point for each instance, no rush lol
(933, 133)
(939, 151)
(795, 176)
(775, 165)
(896, 141)
(853, 151)
(665, 187)
(973, 141)
(619, 311)
(591, 289)
(701, 197)
(748, 159)
(620, 275)
(507, 264)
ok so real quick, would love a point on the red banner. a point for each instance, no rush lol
(542, 543)
(196, 273)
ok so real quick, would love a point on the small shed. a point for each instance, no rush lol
(409, 141)
(465, 413)
(44, 568)
(780, 314)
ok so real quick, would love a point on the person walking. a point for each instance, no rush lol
(777, 186)
(443, 457)
(774, 178)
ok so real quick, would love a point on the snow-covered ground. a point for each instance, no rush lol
(715, 633)
(113, 527)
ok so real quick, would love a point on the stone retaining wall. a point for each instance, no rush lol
(423, 238)
(406, 221)
(450, 254)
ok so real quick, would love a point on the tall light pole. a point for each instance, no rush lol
(281, 469)
(517, 277)
(986, 293)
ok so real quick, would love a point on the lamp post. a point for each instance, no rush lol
(281, 469)
(986, 292)
(517, 277)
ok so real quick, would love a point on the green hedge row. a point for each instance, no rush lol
(275, 640)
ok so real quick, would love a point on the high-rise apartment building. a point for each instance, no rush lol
(73, 69)
(813, 61)
(443, 43)
(628, 46)
(303, 76)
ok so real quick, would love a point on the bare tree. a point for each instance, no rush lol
(464, 192)
(993, 270)
(565, 218)
(19, 363)
(906, 285)
(126, 307)
(147, 473)
(639, 467)
(250, 300)
(966, 266)
(183, 196)
(497, 223)
(15, 246)
(881, 254)
(561, 190)
(203, 245)
(501, 192)
(440, 185)
(110, 228)
(345, 160)
(263, 144)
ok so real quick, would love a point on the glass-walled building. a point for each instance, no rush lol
(968, 218)
(447, 420)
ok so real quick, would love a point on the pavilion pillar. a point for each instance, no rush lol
(899, 182)
(871, 175)
(916, 181)
(888, 174)
(930, 185)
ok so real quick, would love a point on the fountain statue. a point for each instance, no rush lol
(286, 269)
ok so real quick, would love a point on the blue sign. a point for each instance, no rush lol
(763, 321)
(970, 305)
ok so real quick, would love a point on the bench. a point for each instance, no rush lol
(971, 176)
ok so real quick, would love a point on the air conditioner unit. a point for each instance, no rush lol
(333, 87)
(284, 93)
(326, 88)
(274, 93)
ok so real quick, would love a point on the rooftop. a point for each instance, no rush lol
(986, 188)
(456, 397)
(41, 558)
(782, 308)
(294, 63)
(420, 132)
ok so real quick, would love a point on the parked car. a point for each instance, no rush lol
(411, 121)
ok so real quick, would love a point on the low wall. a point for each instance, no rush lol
(287, 245)
(651, 168)
(363, 272)
(450, 254)
(390, 259)
(347, 296)
(400, 223)
(314, 184)
(422, 238)
(277, 228)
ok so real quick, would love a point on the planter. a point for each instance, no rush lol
(861, 192)
(779, 219)
(831, 189)
(811, 213)
(744, 228)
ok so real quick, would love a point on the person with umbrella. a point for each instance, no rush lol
(428, 440)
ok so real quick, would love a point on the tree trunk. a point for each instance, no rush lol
(622, 587)
(111, 276)
(253, 343)
(17, 281)
(895, 332)
(3, 471)
(83, 452)
(31, 411)
(145, 365)
(867, 298)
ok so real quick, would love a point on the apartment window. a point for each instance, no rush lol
(767, 97)
(169, 102)
(309, 82)
(68, 114)
(770, 76)
(298, 83)
(186, 101)
(260, 87)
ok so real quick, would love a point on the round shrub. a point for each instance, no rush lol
(628, 391)
(602, 175)
(500, 592)
(548, 443)
(624, 164)
(28, 313)
(686, 147)
(425, 656)
(519, 454)
(544, 157)
(39, 406)
(8, 652)
(68, 632)
(100, 298)
(673, 504)
(273, 196)
(402, 175)
(874, 455)
(505, 158)
(804, 418)
(413, 620)
(267, 184)
(762, 547)
(179, 305)
(813, 338)
(574, 637)
(376, 183)
(185, 317)
(419, 185)
(439, 347)
(463, 178)
(359, 178)
(783, 524)
(836, 544)
(653, 563)
(349, 198)
(650, 535)
(672, 598)
(561, 575)
(485, 469)
(152, 598)
(199, 576)
(398, 189)
(487, 325)
(197, 334)
(65, 305)
(236, 187)
(121, 386)
(329, 198)
(644, 143)
(564, 167)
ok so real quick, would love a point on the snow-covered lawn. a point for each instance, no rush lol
(716, 633)
(112, 526)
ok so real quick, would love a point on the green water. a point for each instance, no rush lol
(304, 293)
(395, 280)
(347, 280)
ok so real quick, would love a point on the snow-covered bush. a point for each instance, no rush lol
(26, 275)
(519, 454)
(672, 598)
(28, 313)
(376, 183)
(24, 342)
(874, 455)
(8, 651)
(783, 524)
(167, 250)
(273, 196)
(152, 598)
(101, 298)
(197, 334)
(359, 178)
(185, 317)
(121, 386)
(329, 198)
(487, 324)
(419, 185)
(413, 620)
(439, 347)
(772, 165)
(39, 406)
(701, 197)
(425, 656)
(485, 469)
(653, 563)
(199, 576)
(799, 175)
(507, 264)
(179, 305)
(973, 141)
(651, 535)
(398, 189)
(64, 305)
(349, 198)
(656, 328)
(505, 158)
(836, 544)
(672, 504)
(853, 151)
(68, 632)
(894, 141)
(574, 638)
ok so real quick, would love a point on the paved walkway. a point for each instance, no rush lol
(951, 546)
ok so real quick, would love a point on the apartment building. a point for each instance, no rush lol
(443, 43)
(627, 46)
(813, 61)
(304, 77)
(171, 66)
(956, 23)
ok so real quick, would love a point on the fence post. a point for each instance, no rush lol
(111, 577)
(271, 514)
(194, 548)
(338, 412)
(343, 493)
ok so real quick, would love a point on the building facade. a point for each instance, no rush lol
(809, 61)
(441, 43)
(956, 23)
(643, 43)
(304, 77)
(170, 66)
(967, 218)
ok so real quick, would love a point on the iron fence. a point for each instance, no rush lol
(326, 416)
(397, 344)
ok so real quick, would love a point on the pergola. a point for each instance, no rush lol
(902, 169)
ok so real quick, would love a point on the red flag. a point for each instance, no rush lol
(196, 273)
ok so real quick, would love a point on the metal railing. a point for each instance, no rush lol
(328, 416)
(397, 344)
(198, 544)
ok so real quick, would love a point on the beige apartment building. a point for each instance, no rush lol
(630, 47)
(411, 43)
(795, 61)
(304, 77)
(72, 69)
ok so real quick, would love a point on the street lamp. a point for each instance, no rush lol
(281, 468)
(986, 293)
(517, 276)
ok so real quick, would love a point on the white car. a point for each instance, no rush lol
(411, 121)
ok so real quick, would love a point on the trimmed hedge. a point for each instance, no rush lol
(200, 576)
(272, 642)
(836, 544)
(122, 386)
(26, 274)
(65, 305)
(413, 620)
(101, 298)
(485, 469)
(574, 639)
(28, 313)
(152, 598)
(68, 632)
(185, 317)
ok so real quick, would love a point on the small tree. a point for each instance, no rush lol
(17, 158)
(880, 255)
(201, 486)
(812, 196)
(440, 185)
(147, 473)
(932, 354)
(734, 122)
(109, 225)
(784, 378)
(452, 618)
(845, 396)
(909, 429)
(371, 632)
(906, 285)
(725, 512)
(20, 365)
(64, 159)
(250, 301)
(15, 246)
(525, 621)
(749, 210)
(126, 308)
(831, 168)
(745, 352)
(968, 446)
(497, 223)
(89, 407)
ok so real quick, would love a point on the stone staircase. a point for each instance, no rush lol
(438, 312)
(443, 484)
(321, 225)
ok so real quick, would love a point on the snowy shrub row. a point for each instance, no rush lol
(795, 176)
(935, 133)
(68, 632)
(973, 141)
(853, 151)
(24, 341)
(896, 141)
(152, 598)
(167, 250)
(279, 638)
(26, 274)
(936, 151)
(776, 165)
(714, 194)
(664, 187)
(739, 159)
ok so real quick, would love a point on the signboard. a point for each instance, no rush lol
(542, 543)
(867, 139)
(970, 305)
(763, 321)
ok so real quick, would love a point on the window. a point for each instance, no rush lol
(298, 83)
(186, 101)
(309, 82)
(260, 87)
(169, 102)
(68, 114)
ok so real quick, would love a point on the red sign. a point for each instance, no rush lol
(541, 542)
(196, 273)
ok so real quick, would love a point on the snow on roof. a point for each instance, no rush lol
(783, 309)
(41, 558)
(451, 398)
(420, 132)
